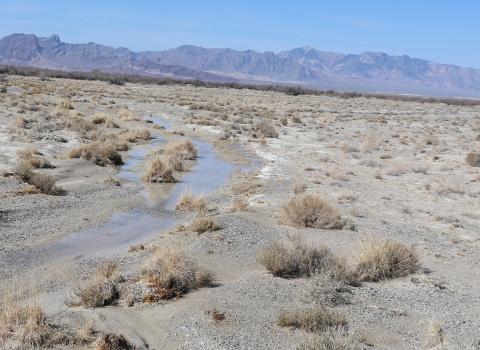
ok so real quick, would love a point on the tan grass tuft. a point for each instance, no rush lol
(22, 321)
(98, 153)
(239, 203)
(296, 258)
(189, 201)
(473, 159)
(171, 273)
(182, 149)
(384, 259)
(101, 289)
(310, 210)
(158, 171)
(65, 102)
(127, 116)
(204, 223)
(336, 338)
(316, 319)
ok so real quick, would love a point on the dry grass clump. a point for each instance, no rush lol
(239, 203)
(102, 118)
(216, 315)
(65, 102)
(127, 116)
(171, 273)
(134, 135)
(43, 182)
(112, 181)
(296, 258)
(430, 140)
(174, 162)
(189, 201)
(265, 130)
(27, 152)
(337, 174)
(38, 162)
(30, 189)
(473, 159)
(310, 210)
(204, 223)
(370, 143)
(246, 187)
(158, 171)
(332, 339)
(385, 259)
(182, 149)
(109, 341)
(98, 153)
(435, 334)
(316, 319)
(76, 123)
(299, 188)
(101, 289)
(22, 321)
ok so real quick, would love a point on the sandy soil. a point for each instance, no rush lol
(393, 169)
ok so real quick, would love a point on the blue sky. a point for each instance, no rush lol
(442, 31)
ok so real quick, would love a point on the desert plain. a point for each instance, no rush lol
(186, 217)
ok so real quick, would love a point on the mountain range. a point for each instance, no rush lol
(305, 66)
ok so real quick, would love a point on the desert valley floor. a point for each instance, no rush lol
(185, 217)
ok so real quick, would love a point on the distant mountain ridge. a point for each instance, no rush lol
(369, 71)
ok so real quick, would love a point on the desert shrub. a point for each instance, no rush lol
(384, 259)
(332, 339)
(112, 181)
(265, 130)
(204, 223)
(22, 321)
(109, 341)
(296, 258)
(370, 143)
(435, 334)
(299, 188)
(38, 162)
(239, 203)
(158, 171)
(246, 187)
(316, 319)
(65, 102)
(430, 140)
(189, 201)
(134, 135)
(45, 183)
(78, 124)
(102, 118)
(310, 210)
(23, 170)
(473, 159)
(182, 149)
(175, 162)
(30, 189)
(295, 119)
(27, 152)
(98, 153)
(171, 273)
(101, 289)
(19, 122)
(126, 115)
